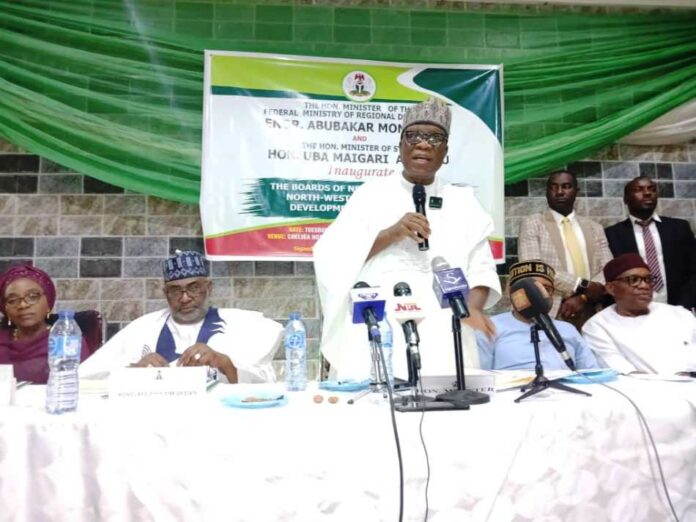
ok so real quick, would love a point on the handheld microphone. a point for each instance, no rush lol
(531, 300)
(419, 202)
(450, 287)
(368, 307)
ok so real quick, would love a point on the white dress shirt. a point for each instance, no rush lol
(557, 217)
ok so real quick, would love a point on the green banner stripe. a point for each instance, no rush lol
(264, 93)
(261, 93)
(323, 78)
(476, 90)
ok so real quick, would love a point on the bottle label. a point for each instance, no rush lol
(296, 340)
(64, 346)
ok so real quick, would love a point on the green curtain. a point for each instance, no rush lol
(113, 89)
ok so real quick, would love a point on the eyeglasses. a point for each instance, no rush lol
(31, 299)
(433, 138)
(635, 281)
(193, 290)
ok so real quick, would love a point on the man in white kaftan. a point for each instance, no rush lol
(375, 239)
(240, 344)
(636, 334)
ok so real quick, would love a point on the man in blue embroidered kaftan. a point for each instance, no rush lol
(240, 344)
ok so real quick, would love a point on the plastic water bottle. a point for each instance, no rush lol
(295, 354)
(64, 346)
(387, 335)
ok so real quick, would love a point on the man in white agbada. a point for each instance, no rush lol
(375, 239)
(240, 344)
(637, 334)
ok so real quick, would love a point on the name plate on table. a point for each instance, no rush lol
(157, 383)
(475, 379)
(7, 384)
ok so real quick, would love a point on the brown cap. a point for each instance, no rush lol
(620, 264)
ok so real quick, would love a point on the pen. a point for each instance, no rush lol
(359, 395)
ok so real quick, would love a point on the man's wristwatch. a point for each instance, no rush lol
(581, 290)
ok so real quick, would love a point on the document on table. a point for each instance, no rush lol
(509, 379)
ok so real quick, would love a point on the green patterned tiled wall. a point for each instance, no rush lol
(397, 30)
(391, 29)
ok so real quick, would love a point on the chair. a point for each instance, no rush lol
(92, 326)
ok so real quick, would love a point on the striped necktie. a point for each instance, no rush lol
(651, 254)
(573, 246)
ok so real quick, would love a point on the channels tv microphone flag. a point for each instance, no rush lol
(368, 307)
(419, 202)
(450, 287)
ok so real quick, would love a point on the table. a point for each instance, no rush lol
(556, 457)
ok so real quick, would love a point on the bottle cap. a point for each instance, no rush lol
(294, 316)
(66, 314)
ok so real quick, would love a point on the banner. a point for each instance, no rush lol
(287, 139)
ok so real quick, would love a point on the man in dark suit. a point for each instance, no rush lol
(666, 244)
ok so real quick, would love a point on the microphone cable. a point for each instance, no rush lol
(425, 449)
(396, 431)
(644, 423)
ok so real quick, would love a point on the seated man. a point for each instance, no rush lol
(637, 334)
(512, 349)
(239, 343)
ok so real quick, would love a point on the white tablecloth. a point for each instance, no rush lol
(556, 457)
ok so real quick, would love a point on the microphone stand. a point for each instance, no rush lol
(380, 382)
(461, 397)
(418, 401)
(411, 366)
(379, 385)
(540, 383)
